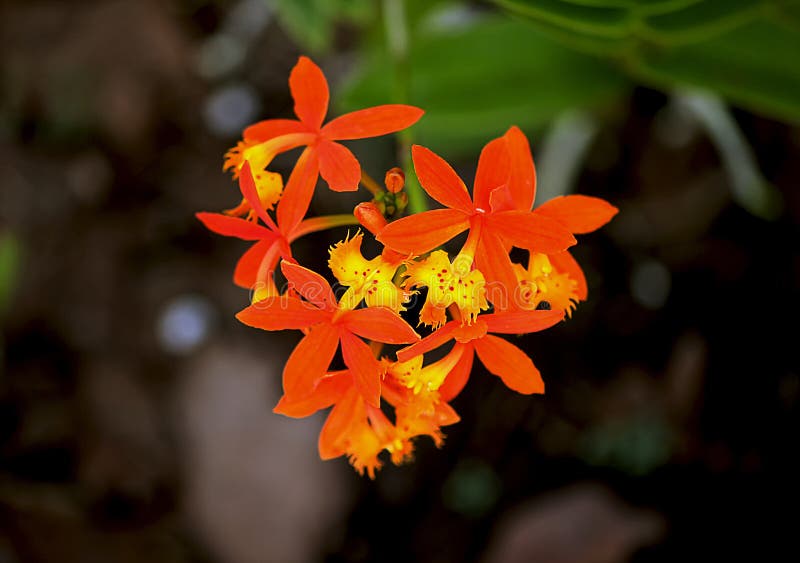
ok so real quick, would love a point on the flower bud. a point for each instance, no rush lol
(395, 180)
(370, 217)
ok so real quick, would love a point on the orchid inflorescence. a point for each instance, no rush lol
(468, 300)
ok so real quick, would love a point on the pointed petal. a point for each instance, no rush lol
(228, 226)
(346, 414)
(444, 415)
(247, 185)
(271, 128)
(494, 167)
(565, 262)
(439, 179)
(510, 364)
(527, 229)
(492, 259)
(246, 273)
(522, 180)
(430, 342)
(298, 191)
(578, 213)
(329, 390)
(372, 122)
(522, 322)
(338, 166)
(310, 360)
(310, 92)
(459, 375)
(310, 285)
(380, 324)
(417, 234)
(365, 368)
(282, 312)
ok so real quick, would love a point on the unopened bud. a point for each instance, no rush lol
(395, 180)
(370, 217)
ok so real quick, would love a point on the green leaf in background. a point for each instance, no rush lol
(741, 49)
(311, 22)
(750, 66)
(476, 81)
(662, 22)
(9, 266)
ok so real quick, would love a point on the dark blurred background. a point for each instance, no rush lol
(135, 412)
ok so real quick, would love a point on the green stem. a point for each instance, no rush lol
(394, 20)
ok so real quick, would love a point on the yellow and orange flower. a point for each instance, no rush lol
(383, 403)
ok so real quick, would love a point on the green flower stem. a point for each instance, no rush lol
(394, 20)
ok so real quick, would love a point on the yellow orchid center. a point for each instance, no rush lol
(457, 283)
(424, 379)
(541, 286)
(269, 185)
(368, 280)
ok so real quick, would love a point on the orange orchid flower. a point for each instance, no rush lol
(500, 357)
(504, 181)
(579, 214)
(271, 241)
(323, 154)
(361, 431)
(254, 269)
(328, 326)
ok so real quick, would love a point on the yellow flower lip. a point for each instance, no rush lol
(448, 283)
(371, 281)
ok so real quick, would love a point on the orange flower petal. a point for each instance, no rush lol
(459, 375)
(247, 185)
(444, 415)
(522, 180)
(439, 179)
(246, 273)
(228, 226)
(372, 122)
(271, 128)
(379, 324)
(510, 364)
(298, 191)
(430, 342)
(578, 213)
(329, 390)
(310, 285)
(338, 166)
(282, 312)
(365, 368)
(566, 263)
(527, 229)
(310, 92)
(310, 360)
(417, 234)
(492, 259)
(347, 413)
(494, 166)
(522, 322)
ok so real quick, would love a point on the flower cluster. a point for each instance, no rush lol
(468, 300)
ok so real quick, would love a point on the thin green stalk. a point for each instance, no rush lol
(394, 20)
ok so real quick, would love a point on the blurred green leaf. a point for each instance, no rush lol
(475, 82)
(678, 21)
(9, 267)
(636, 445)
(737, 48)
(749, 66)
(472, 488)
(312, 22)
